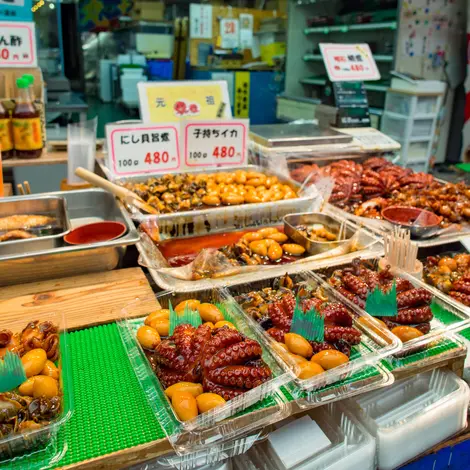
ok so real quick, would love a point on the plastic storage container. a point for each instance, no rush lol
(413, 415)
(350, 445)
(401, 103)
(267, 405)
(448, 316)
(42, 441)
(374, 346)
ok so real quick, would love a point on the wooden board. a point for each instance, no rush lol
(48, 157)
(86, 300)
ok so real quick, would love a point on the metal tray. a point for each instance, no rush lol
(83, 206)
(166, 282)
(292, 221)
(52, 206)
(188, 221)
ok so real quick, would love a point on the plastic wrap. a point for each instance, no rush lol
(264, 402)
(413, 415)
(42, 441)
(376, 344)
(448, 317)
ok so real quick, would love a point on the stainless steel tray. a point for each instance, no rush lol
(188, 221)
(166, 282)
(52, 206)
(83, 206)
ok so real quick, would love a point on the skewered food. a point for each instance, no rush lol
(209, 364)
(273, 309)
(188, 191)
(357, 280)
(365, 189)
(450, 274)
(37, 401)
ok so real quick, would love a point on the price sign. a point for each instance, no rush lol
(349, 62)
(142, 149)
(16, 10)
(230, 33)
(215, 143)
(17, 45)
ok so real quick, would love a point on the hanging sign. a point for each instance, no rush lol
(200, 21)
(173, 101)
(349, 62)
(214, 143)
(16, 10)
(17, 44)
(229, 33)
(246, 30)
(139, 149)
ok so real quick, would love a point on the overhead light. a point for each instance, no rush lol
(51, 6)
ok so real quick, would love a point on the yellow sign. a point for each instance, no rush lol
(172, 101)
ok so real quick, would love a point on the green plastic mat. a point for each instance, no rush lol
(111, 411)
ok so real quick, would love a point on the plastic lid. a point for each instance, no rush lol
(22, 83)
(29, 78)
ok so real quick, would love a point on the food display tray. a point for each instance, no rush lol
(212, 427)
(52, 206)
(42, 441)
(83, 207)
(167, 282)
(375, 345)
(201, 221)
(449, 317)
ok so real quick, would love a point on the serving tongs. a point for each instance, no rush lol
(125, 195)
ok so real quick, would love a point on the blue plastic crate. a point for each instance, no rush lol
(160, 69)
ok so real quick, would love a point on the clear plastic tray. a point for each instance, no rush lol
(449, 317)
(375, 345)
(351, 447)
(264, 402)
(21, 445)
(153, 261)
(413, 415)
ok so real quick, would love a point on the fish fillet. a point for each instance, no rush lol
(18, 222)
(16, 235)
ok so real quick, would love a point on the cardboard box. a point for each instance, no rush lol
(148, 11)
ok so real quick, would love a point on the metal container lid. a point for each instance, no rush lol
(280, 135)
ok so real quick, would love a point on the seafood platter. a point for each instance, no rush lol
(193, 201)
(33, 412)
(232, 255)
(364, 192)
(35, 225)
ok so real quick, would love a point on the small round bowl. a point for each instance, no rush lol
(95, 233)
(406, 217)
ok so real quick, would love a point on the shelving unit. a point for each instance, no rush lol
(305, 72)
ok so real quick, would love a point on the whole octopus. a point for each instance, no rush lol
(273, 308)
(357, 280)
(223, 360)
(365, 189)
(450, 274)
(43, 335)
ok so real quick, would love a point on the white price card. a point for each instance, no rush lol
(349, 62)
(17, 44)
(230, 33)
(214, 143)
(200, 21)
(139, 149)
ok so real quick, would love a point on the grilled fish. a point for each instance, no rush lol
(16, 235)
(22, 222)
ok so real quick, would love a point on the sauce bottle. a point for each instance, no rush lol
(6, 137)
(26, 124)
(38, 105)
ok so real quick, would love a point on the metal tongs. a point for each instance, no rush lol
(125, 195)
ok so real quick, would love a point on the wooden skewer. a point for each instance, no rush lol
(27, 187)
(21, 189)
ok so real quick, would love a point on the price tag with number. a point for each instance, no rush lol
(139, 149)
(214, 143)
(17, 44)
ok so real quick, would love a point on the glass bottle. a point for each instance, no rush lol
(6, 137)
(26, 124)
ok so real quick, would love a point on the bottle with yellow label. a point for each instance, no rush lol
(6, 137)
(26, 124)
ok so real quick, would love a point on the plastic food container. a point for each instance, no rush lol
(413, 415)
(265, 404)
(375, 345)
(448, 317)
(41, 441)
(350, 446)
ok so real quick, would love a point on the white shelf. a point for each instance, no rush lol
(425, 138)
(353, 27)
(377, 57)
